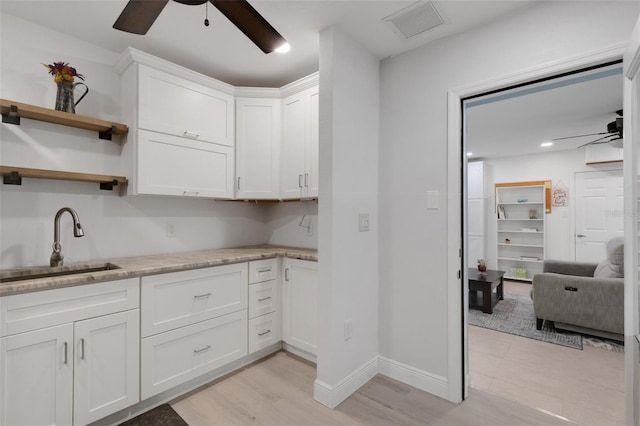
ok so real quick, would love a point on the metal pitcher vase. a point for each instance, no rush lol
(64, 97)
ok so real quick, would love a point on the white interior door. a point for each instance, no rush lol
(631, 156)
(599, 207)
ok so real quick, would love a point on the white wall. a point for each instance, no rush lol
(413, 152)
(348, 268)
(558, 166)
(115, 226)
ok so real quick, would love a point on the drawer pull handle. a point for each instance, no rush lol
(266, 332)
(192, 135)
(81, 348)
(266, 269)
(264, 298)
(66, 353)
(300, 181)
(202, 296)
(206, 348)
(306, 180)
(286, 274)
(571, 288)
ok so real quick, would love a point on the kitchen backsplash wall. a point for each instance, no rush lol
(292, 224)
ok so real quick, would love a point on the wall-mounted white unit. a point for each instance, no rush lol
(520, 211)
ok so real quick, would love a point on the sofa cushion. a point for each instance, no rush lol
(613, 265)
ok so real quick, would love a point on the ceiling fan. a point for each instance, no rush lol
(138, 16)
(612, 136)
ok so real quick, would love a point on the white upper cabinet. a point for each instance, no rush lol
(299, 176)
(180, 107)
(182, 129)
(258, 135)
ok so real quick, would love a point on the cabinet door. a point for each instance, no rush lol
(258, 125)
(312, 157)
(169, 165)
(300, 304)
(36, 375)
(107, 369)
(177, 356)
(293, 146)
(475, 179)
(179, 107)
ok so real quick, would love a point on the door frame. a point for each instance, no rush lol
(631, 71)
(457, 316)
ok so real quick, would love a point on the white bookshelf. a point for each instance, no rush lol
(520, 213)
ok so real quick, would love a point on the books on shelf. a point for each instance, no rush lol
(501, 213)
(529, 258)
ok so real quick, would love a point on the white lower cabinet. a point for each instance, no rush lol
(71, 373)
(37, 377)
(176, 356)
(106, 365)
(300, 304)
(264, 331)
(193, 322)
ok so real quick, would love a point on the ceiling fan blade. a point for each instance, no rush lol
(251, 23)
(138, 15)
(598, 141)
(580, 136)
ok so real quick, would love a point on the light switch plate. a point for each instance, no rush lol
(363, 222)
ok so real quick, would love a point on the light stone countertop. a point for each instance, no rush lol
(136, 266)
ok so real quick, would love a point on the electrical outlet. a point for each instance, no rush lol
(348, 330)
(171, 228)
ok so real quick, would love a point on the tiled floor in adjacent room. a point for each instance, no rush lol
(585, 386)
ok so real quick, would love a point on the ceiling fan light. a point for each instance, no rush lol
(546, 144)
(284, 48)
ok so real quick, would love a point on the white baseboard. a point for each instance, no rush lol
(423, 380)
(332, 396)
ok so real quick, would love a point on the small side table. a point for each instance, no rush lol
(485, 283)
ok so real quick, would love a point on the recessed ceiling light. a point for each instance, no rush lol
(546, 144)
(284, 48)
(469, 154)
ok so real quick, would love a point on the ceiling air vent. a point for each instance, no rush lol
(415, 19)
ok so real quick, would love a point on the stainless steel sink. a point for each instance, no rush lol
(22, 274)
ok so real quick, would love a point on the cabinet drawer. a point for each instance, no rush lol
(177, 106)
(264, 298)
(263, 270)
(264, 331)
(31, 311)
(177, 356)
(177, 299)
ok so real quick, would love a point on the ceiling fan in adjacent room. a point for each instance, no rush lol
(138, 16)
(612, 136)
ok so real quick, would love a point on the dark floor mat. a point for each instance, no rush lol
(162, 415)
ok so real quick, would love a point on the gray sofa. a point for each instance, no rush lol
(583, 297)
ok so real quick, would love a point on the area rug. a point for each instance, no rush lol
(514, 315)
(162, 415)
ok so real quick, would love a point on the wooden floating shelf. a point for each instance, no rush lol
(12, 112)
(14, 175)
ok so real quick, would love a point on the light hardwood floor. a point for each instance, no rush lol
(279, 391)
(584, 386)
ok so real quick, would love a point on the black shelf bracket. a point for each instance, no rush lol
(106, 134)
(12, 178)
(108, 186)
(12, 116)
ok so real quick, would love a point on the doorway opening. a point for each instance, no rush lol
(515, 229)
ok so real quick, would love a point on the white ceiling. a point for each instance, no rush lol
(518, 125)
(223, 52)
